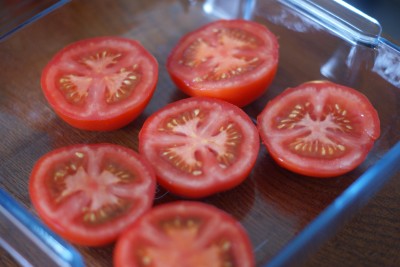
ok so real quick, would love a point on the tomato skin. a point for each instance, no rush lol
(99, 115)
(106, 124)
(328, 136)
(239, 89)
(199, 154)
(110, 124)
(92, 203)
(154, 238)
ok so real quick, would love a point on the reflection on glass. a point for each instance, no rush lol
(229, 9)
(15, 14)
(29, 241)
(387, 63)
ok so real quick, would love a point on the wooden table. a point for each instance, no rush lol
(273, 204)
(370, 238)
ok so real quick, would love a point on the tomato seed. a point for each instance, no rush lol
(226, 246)
(197, 172)
(197, 79)
(79, 155)
(122, 174)
(146, 260)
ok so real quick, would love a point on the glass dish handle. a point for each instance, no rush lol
(340, 18)
(357, 28)
(14, 15)
(29, 241)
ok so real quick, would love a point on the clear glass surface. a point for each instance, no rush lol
(15, 14)
(29, 241)
(286, 215)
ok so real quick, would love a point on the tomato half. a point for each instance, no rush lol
(319, 129)
(233, 60)
(88, 194)
(200, 146)
(185, 233)
(100, 83)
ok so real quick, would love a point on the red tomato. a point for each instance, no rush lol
(184, 234)
(88, 194)
(100, 83)
(233, 60)
(200, 146)
(319, 129)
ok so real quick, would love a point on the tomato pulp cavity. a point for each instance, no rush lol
(319, 129)
(233, 60)
(88, 194)
(185, 233)
(200, 146)
(100, 83)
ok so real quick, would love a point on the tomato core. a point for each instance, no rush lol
(200, 146)
(100, 83)
(232, 60)
(319, 129)
(97, 190)
(185, 233)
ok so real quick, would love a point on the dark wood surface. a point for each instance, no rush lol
(370, 238)
(272, 204)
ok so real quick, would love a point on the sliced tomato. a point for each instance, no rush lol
(233, 60)
(88, 194)
(185, 233)
(100, 83)
(319, 129)
(200, 146)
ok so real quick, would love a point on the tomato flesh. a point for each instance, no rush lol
(319, 129)
(185, 233)
(199, 146)
(233, 60)
(90, 193)
(100, 83)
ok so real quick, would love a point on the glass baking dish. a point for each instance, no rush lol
(15, 14)
(286, 215)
